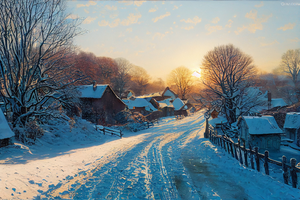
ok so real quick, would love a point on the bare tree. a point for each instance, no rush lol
(122, 78)
(290, 64)
(35, 38)
(140, 76)
(181, 77)
(226, 72)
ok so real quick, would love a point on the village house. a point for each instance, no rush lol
(166, 107)
(5, 132)
(262, 132)
(99, 103)
(179, 107)
(292, 126)
(140, 105)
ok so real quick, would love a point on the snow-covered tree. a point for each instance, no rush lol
(35, 46)
(226, 73)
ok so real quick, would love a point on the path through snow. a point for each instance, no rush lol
(169, 161)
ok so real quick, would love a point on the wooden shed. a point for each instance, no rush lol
(5, 132)
(99, 103)
(292, 126)
(262, 132)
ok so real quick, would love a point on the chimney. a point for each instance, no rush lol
(94, 86)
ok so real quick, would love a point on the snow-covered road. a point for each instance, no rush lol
(173, 161)
(169, 161)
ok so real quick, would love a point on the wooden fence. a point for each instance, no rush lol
(242, 154)
(106, 130)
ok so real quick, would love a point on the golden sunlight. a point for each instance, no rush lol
(197, 74)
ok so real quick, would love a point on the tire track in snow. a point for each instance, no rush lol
(148, 170)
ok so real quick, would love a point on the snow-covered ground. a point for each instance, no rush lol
(169, 161)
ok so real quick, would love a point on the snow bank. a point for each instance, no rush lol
(5, 131)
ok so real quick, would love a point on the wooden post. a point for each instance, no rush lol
(240, 153)
(231, 148)
(285, 170)
(251, 157)
(245, 155)
(206, 128)
(257, 159)
(266, 164)
(235, 151)
(293, 172)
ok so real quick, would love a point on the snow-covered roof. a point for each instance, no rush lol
(178, 104)
(156, 94)
(138, 103)
(292, 120)
(278, 102)
(217, 120)
(5, 131)
(262, 125)
(165, 103)
(87, 91)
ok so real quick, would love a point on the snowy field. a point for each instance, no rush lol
(169, 161)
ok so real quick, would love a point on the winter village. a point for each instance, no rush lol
(159, 100)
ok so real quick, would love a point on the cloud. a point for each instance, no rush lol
(252, 14)
(85, 10)
(138, 52)
(215, 20)
(175, 7)
(187, 28)
(129, 30)
(110, 7)
(89, 20)
(114, 15)
(161, 17)
(136, 3)
(212, 29)
(259, 5)
(159, 35)
(90, 3)
(234, 16)
(153, 9)
(287, 26)
(257, 22)
(229, 23)
(195, 20)
(103, 23)
(72, 16)
(296, 40)
(269, 44)
(131, 19)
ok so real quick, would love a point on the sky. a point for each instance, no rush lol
(163, 35)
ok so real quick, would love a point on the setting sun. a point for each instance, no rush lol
(197, 74)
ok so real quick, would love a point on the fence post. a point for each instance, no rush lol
(235, 151)
(245, 155)
(231, 147)
(285, 170)
(266, 164)
(251, 157)
(257, 159)
(240, 153)
(293, 172)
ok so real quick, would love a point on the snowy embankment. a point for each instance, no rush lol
(169, 161)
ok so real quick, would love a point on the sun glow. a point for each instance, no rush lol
(197, 74)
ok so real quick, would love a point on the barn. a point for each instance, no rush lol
(99, 103)
(262, 132)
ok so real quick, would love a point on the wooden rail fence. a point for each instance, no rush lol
(106, 130)
(241, 153)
